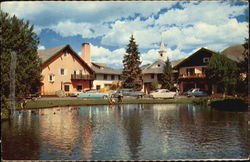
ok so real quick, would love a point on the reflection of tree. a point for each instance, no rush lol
(193, 122)
(133, 125)
(20, 143)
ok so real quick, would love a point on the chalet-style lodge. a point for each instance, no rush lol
(63, 69)
(191, 71)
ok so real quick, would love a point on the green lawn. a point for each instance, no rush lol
(54, 103)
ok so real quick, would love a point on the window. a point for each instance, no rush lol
(190, 71)
(62, 71)
(161, 55)
(112, 77)
(205, 59)
(119, 77)
(79, 87)
(98, 87)
(51, 77)
(66, 88)
(158, 65)
(65, 53)
(152, 76)
(80, 72)
(105, 76)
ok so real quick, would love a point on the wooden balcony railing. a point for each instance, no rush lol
(199, 75)
(82, 77)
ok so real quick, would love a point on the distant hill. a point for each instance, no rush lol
(234, 52)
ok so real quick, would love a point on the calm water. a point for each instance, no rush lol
(149, 132)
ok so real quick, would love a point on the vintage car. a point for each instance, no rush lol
(128, 93)
(162, 93)
(195, 92)
(75, 94)
(94, 94)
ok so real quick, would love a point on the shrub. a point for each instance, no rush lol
(154, 85)
(201, 101)
(229, 104)
(113, 87)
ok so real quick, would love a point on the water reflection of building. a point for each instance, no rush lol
(60, 130)
(87, 129)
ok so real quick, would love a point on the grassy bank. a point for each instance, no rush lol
(56, 103)
(82, 102)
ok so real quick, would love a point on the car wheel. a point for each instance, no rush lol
(105, 97)
(139, 97)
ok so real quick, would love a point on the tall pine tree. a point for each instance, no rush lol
(18, 36)
(131, 74)
(166, 79)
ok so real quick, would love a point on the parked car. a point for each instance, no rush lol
(128, 93)
(162, 93)
(196, 92)
(94, 94)
(33, 96)
(75, 94)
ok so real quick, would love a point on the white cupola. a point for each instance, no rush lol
(162, 51)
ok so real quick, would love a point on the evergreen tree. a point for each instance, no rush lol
(223, 72)
(243, 70)
(166, 79)
(131, 74)
(18, 36)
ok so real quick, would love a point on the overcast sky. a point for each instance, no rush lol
(184, 26)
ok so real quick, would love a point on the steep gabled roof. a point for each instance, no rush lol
(144, 66)
(147, 69)
(235, 52)
(101, 68)
(156, 70)
(192, 56)
(48, 54)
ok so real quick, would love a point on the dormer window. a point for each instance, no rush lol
(205, 59)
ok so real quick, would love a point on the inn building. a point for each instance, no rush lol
(63, 69)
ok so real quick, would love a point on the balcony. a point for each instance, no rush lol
(195, 75)
(82, 77)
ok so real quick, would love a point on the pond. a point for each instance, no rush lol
(126, 132)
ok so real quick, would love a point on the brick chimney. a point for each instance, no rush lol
(85, 53)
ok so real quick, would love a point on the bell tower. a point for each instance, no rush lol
(162, 51)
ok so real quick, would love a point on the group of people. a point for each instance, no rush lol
(112, 101)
